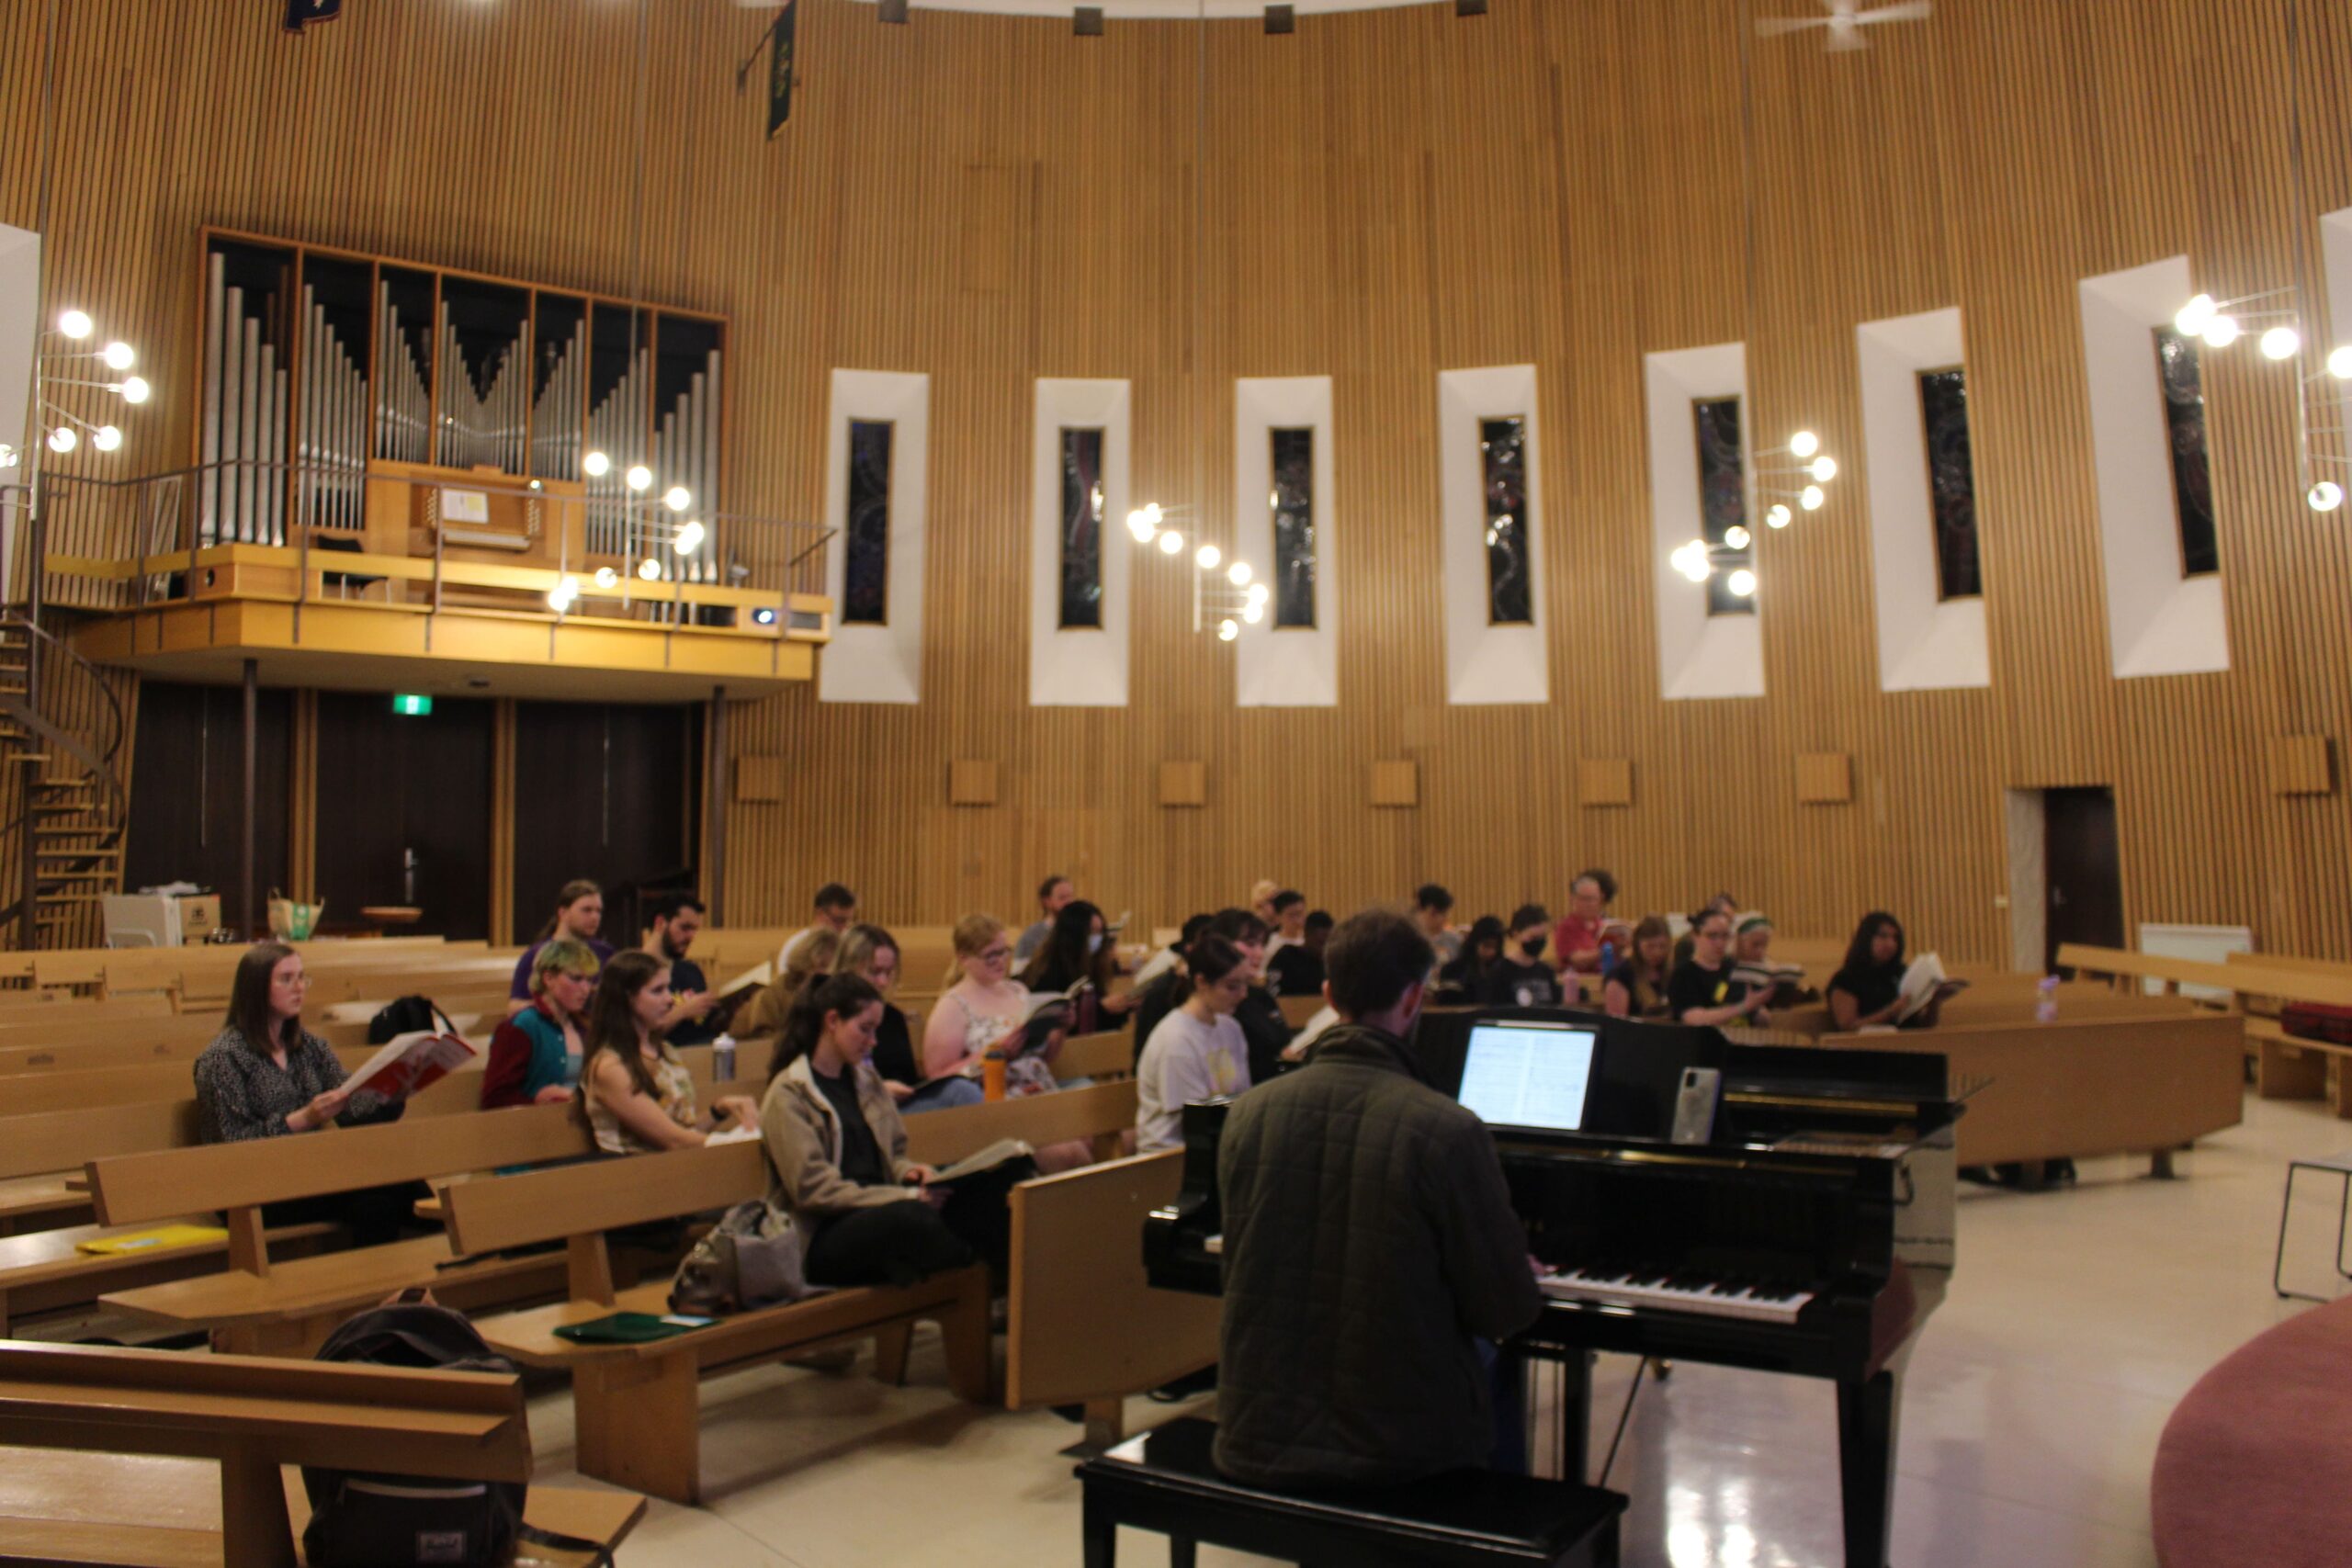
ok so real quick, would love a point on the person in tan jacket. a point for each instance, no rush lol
(837, 1156)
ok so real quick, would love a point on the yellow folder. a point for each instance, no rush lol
(156, 1240)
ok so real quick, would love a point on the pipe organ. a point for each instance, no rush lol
(358, 401)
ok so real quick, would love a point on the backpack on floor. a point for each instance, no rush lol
(407, 1015)
(359, 1520)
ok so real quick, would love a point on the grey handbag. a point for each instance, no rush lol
(753, 1257)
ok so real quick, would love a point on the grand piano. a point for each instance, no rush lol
(1809, 1233)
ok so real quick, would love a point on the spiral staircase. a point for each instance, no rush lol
(61, 745)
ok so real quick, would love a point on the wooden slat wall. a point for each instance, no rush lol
(1390, 193)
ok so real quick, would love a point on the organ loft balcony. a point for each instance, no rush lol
(407, 476)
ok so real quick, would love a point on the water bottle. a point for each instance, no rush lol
(722, 1058)
(2045, 1009)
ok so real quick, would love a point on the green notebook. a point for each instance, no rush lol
(630, 1328)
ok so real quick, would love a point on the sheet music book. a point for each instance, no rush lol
(1923, 982)
(412, 1062)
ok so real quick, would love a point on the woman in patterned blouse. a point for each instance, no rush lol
(266, 1077)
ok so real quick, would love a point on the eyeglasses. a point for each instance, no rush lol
(295, 980)
(996, 956)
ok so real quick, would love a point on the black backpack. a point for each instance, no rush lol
(359, 1520)
(406, 1015)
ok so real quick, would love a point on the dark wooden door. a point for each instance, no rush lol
(2084, 901)
(187, 797)
(392, 787)
(608, 791)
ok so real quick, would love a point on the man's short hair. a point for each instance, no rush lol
(1238, 925)
(1371, 959)
(1286, 898)
(1045, 888)
(1318, 919)
(1434, 896)
(666, 906)
(833, 896)
(1598, 879)
(1528, 915)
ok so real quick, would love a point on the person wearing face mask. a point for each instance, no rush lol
(1078, 948)
(1520, 977)
(1704, 990)
(1198, 1052)
(1357, 1192)
(535, 1057)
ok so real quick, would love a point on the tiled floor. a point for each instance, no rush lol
(2035, 1399)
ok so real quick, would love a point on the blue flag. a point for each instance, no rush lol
(300, 14)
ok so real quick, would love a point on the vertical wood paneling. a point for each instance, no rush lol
(1389, 193)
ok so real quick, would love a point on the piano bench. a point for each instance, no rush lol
(1165, 1482)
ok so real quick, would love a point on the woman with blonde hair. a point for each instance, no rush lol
(813, 958)
(981, 1007)
(986, 1009)
(871, 953)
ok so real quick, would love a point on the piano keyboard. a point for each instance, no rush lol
(1761, 1303)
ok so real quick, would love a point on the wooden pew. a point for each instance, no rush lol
(1084, 1326)
(1298, 1010)
(2070, 1089)
(65, 1089)
(250, 1417)
(264, 1306)
(1110, 1053)
(2255, 984)
(636, 1405)
(1099, 1114)
(40, 1009)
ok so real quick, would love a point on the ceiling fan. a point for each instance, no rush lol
(1846, 23)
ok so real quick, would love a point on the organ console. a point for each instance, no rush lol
(1810, 1235)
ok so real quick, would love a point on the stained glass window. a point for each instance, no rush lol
(1723, 499)
(1951, 481)
(2192, 480)
(1081, 527)
(865, 531)
(1293, 500)
(1502, 458)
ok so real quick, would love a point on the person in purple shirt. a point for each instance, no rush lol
(579, 912)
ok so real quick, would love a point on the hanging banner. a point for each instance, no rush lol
(300, 14)
(780, 64)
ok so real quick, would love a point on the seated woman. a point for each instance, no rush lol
(837, 1156)
(1867, 990)
(1260, 1013)
(1197, 1051)
(264, 1076)
(1703, 989)
(635, 1094)
(981, 1013)
(579, 915)
(1463, 980)
(1636, 988)
(535, 1057)
(813, 957)
(872, 954)
(1076, 947)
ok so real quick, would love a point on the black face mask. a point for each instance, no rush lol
(1533, 945)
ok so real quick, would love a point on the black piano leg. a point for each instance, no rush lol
(1576, 1415)
(1866, 1410)
(1100, 1533)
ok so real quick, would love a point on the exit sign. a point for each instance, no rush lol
(411, 705)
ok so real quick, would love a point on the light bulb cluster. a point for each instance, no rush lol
(67, 435)
(686, 536)
(2209, 320)
(1809, 474)
(1225, 585)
